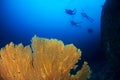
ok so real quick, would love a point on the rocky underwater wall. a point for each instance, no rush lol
(110, 29)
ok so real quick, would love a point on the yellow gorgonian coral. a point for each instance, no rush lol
(44, 60)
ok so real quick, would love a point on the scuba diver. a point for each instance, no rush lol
(71, 12)
(74, 23)
(83, 14)
(90, 30)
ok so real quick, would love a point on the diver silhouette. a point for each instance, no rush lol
(71, 12)
(83, 14)
(74, 23)
(90, 30)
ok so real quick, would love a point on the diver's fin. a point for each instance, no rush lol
(91, 19)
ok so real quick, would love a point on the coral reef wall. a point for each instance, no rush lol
(110, 29)
(43, 60)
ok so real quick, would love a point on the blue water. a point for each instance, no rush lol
(20, 20)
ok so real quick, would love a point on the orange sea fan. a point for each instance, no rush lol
(45, 60)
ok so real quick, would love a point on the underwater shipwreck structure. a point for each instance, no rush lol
(44, 59)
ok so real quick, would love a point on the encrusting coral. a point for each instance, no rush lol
(43, 60)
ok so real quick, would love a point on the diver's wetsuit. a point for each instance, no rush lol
(87, 17)
(71, 12)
